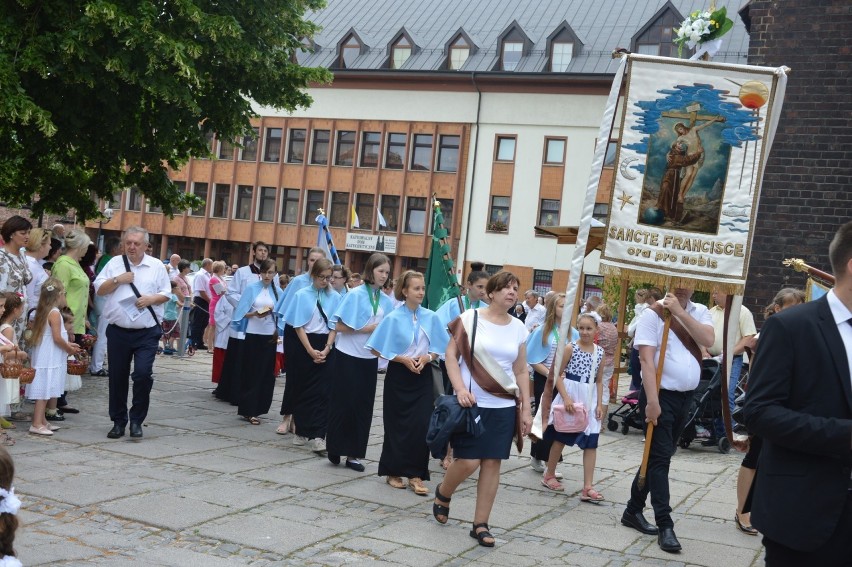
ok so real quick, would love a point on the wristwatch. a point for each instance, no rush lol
(115, 281)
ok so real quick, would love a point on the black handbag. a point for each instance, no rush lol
(449, 417)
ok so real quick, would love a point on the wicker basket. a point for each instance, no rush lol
(11, 368)
(88, 341)
(77, 367)
(27, 375)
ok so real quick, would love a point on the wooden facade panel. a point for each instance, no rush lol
(291, 178)
(245, 172)
(524, 274)
(366, 180)
(152, 222)
(391, 182)
(131, 218)
(341, 179)
(315, 177)
(444, 184)
(417, 184)
(605, 186)
(195, 227)
(263, 231)
(267, 175)
(218, 229)
(174, 227)
(409, 245)
(241, 230)
(502, 178)
(307, 237)
(552, 181)
(285, 234)
(224, 173)
(201, 169)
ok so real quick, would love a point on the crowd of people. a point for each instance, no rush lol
(331, 332)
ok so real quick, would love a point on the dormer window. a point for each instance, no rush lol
(655, 37)
(459, 52)
(400, 52)
(349, 52)
(512, 52)
(560, 56)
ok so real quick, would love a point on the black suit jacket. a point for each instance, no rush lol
(800, 401)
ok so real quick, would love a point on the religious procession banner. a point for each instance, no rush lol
(693, 144)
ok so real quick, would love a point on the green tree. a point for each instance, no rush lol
(100, 95)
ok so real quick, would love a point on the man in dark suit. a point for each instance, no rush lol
(800, 401)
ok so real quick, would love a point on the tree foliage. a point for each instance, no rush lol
(100, 95)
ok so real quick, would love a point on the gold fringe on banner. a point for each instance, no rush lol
(660, 280)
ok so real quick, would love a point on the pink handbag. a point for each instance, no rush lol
(565, 422)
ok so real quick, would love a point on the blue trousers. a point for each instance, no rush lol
(125, 346)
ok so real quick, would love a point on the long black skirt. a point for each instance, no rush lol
(257, 380)
(540, 449)
(350, 405)
(228, 389)
(294, 384)
(406, 410)
(310, 412)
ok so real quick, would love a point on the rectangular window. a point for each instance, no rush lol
(345, 154)
(421, 154)
(242, 205)
(548, 214)
(542, 281)
(226, 150)
(395, 154)
(561, 57)
(319, 151)
(296, 147)
(370, 149)
(364, 208)
(117, 196)
(492, 269)
(208, 141)
(290, 206)
(505, 148)
(272, 147)
(415, 215)
(448, 153)
(134, 199)
(498, 220)
(314, 201)
(249, 149)
(200, 191)
(512, 51)
(339, 209)
(447, 211)
(601, 212)
(266, 204)
(221, 201)
(609, 159)
(648, 48)
(390, 212)
(554, 151)
(152, 208)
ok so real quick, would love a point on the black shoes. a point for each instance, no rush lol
(355, 465)
(638, 522)
(55, 417)
(668, 541)
(333, 459)
(116, 432)
(135, 430)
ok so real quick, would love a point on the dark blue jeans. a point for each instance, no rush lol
(674, 406)
(125, 346)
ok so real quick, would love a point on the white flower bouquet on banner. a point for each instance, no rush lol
(702, 28)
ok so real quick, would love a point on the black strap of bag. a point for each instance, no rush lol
(136, 290)
(472, 344)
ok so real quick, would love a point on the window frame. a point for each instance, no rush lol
(250, 142)
(239, 200)
(309, 217)
(391, 144)
(395, 212)
(442, 146)
(613, 144)
(216, 204)
(269, 141)
(134, 199)
(314, 142)
(414, 151)
(547, 140)
(292, 141)
(364, 210)
(349, 44)
(396, 47)
(365, 144)
(264, 197)
(505, 137)
(332, 205)
(553, 55)
(409, 209)
(223, 145)
(542, 211)
(286, 199)
(503, 51)
(203, 211)
(339, 147)
(492, 225)
(460, 44)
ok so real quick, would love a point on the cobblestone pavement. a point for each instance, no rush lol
(205, 488)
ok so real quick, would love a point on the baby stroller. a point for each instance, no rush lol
(629, 413)
(706, 408)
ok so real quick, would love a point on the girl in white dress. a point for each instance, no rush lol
(582, 373)
(10, 388)
(50, 350)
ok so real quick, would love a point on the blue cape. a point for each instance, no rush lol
(536, 352)
(298, 283)
(450, 310)
(355, 309)
(395, 333)
(238, 320)
(302, 304)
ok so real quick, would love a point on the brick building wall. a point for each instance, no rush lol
(47, 221)
(807, 188)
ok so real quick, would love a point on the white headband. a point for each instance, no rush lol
(10, 504)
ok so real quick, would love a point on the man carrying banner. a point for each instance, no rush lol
(691, 329)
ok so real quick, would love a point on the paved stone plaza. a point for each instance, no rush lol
(207, 489)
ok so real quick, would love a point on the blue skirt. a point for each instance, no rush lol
(494, 443)
(580, 439)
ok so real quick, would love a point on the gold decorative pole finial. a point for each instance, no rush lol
(321, 211)
(797, 264)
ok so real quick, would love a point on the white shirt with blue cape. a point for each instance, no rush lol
(396, 332)
(297, 284)
(238, 320)
(355, 309)
(448, 312)
(537, 352)
(301, 306)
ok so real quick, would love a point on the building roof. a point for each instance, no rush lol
(600, 25)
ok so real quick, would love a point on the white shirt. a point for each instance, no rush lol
(172, 271)
(34, 287)
(535, 316)
(242, 278)
(681, 372)
(149, 277)
(638, 310)
(261, 325)
(200, 283)
(842, 316)
(744, 329)
(503, 342)
(355, 344)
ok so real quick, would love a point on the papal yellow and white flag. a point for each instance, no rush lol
(354, 219)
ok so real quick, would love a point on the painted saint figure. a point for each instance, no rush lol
(669, 200)
(689, 135)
